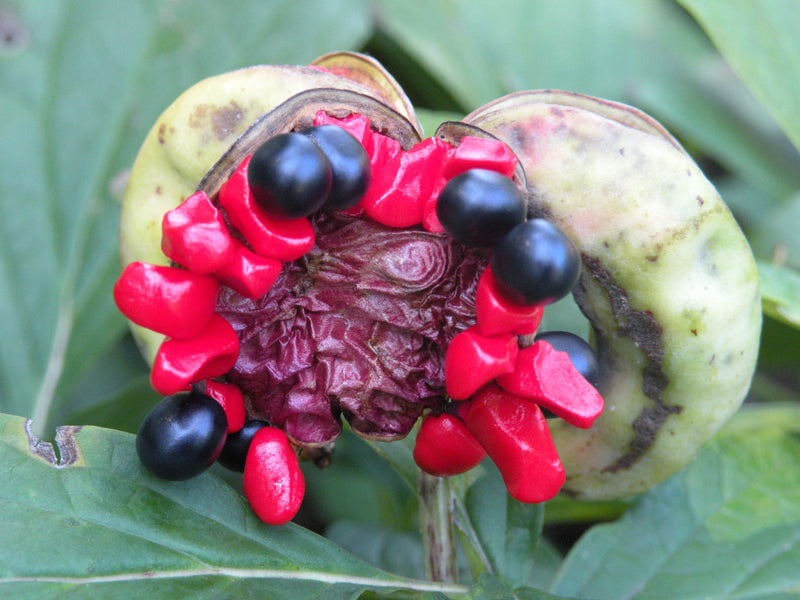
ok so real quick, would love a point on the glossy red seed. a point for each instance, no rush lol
(273, 482)
(479, 153)
(384, 157)
(399, 193)
(472, 360)
(495, 314)
(272, 237)
(232, 401)
(444, 446)
(248, 273)
(549, 378)
(515, 434)
(356, 125)
(181, 362)
(168, 300)
(195, 235)
(430, 220)
(581, 354)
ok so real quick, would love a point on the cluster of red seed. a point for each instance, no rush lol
(500, 384)
(498, 388)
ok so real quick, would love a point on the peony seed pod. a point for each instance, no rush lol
(357, 327)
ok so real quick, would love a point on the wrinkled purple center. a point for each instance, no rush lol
(357, 328)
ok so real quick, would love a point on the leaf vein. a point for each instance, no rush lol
(754, 569)
(328, 579)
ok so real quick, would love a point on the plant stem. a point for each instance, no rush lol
(436, 519)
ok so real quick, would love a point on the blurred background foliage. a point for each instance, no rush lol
(81, 82)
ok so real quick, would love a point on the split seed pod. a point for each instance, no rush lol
(669, 284)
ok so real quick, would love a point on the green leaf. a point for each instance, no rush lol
(94, 524)
(81, 82)
(115, 393)
(357, 471)
(397, 552)
(759, 39)
(776, 236)
(488, 587)
(776, 418)
(400, 456)
(123, 410)
(728, 526)
(780, 292)
(546, 563)
(500, 534)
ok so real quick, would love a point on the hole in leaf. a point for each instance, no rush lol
(63, 453)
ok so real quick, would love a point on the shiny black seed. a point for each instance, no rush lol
(182, 436)
(479, 207)
(536, 263)
(234, 452)
(580, 353)
(350, 167)
(289, 176)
